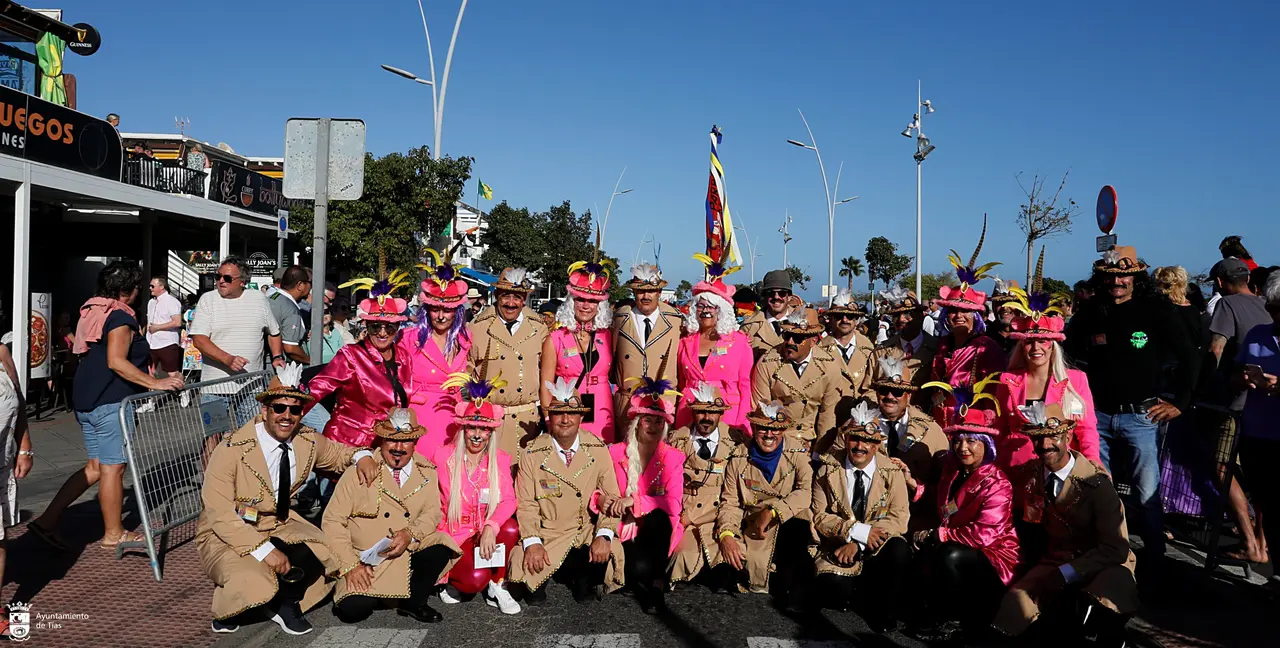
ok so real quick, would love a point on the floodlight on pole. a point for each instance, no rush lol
(923, 149)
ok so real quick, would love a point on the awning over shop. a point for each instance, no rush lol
(475, 276)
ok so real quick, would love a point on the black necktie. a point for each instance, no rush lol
(777, 327)
(704, 449)
(799, 367)
(893, 437)
(648, 328)
(283, 485)
(1051, 488)
(859, 495)
(510, 325)
(845, 351)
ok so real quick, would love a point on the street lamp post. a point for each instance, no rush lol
(437, 101)
(831, 204)
(604, 225)
(751, 249)
(786, 238)
(923, 149)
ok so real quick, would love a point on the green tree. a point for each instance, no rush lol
(408, 197)
(929, 283)
(1054, 286)
(683, 290)
(851, 267)
(798, 277)
(513, 238)
(883, 261)
(546, 242)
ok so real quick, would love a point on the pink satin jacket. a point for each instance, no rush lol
(661, 487)
(981, 516)
(473, 513)
(433, 403)
(956, 366)
(1013, 448)
(363, 391)
(728, 368)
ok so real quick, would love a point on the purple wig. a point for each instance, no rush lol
(979, 326)
(988, 444)
(459, 328)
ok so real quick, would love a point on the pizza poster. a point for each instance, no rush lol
(41, 334)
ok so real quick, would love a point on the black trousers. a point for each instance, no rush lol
(881, 581)
(425, 565)
(646, 554)
(961, 584)
(299, 556)
(578, 572)
(793, 566)
(1264, 488)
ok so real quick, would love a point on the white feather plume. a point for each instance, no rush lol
(797, 318)
(1034, 413)
(705, 392)
(890, 367)
(770, 409)
(863, 414)
(843, 298)
(514, 276)
(290, 375)
(1111, 256)
(896, 295)
(561, 391)
(646, 273)
(399, 418)
(1001, 287)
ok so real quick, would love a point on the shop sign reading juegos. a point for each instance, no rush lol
(40, 131)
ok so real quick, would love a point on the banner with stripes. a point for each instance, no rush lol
(722, 245)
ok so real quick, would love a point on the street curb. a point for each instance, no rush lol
(256, 638)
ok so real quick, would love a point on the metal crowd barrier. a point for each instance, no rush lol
(168, 438)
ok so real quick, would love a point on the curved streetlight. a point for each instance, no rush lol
(831, 203)
(604, 225)
(923, 149)
(437, 101)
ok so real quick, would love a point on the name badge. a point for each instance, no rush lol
(549, 486)
(1100, 339)
(466, 519)
(569, 353)
(484, 496)
(1033, 513)
(906, 442)
(247, 513)
(658, 491)
(949, 510)
(719, 350)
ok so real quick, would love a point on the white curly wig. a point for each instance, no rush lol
(566, 318)
(727, 322)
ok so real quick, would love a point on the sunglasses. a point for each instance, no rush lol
(795, 337)
(771, 294)
(227, 278)
(281, 408)
(888, 391)
(390, 327)
(846, 316)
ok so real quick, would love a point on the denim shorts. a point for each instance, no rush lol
(103, 436)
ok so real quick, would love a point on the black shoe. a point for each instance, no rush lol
(289, 618)
(224, 627)
(422, 612)
(652, 602)
(883, 625)
(534, 596)
(938, 632)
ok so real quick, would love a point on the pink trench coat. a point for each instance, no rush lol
(473, 513)
(982, 516)
(358, 377)
(728, 368)
(569, 366)
(1014, 448)
(430, 401)
(661, 487)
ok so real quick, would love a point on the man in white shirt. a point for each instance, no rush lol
(706, 443)
(646, 337)
(861, 511)
(164, 321)
(258, 553)
(560, 472)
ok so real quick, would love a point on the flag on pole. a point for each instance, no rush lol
(722, 245)
(486, 191)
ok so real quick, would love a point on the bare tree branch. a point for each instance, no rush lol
(1039, 218)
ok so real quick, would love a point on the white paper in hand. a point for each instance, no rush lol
(373, 555)
(499, 558)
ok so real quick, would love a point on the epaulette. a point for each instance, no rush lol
(888, 467)
(625, 311)
(740, 451)
(539, 445)
(771, 355)
(424, 462)
(828, 459)
(591, 442)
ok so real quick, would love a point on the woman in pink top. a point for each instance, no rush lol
(964, 354)
(437, 348)
(478, 496)
(580, 348)
(651, 479)
(713, 350)
(1038, 371)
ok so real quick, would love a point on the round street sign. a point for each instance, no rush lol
(1107, 209)
(86, 41)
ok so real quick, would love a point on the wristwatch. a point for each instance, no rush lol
(26, 453)
(280, 356)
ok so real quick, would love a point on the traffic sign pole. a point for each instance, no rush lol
(318, 248)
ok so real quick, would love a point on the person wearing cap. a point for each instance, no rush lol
(580, 349)
(437, 347)
(1072, 529)
(477, 496)
(860, 513)
(547, 313)
(804, 377)
(1038, 370)
(260, 555)
(707, 442)
(962, 347)
(476, 304)
(508, 340)
(969, 553)
(649, 473)
(764, 328)
(713, 350)
(1125, 337)
(646, 336)
(404, 510)
(763, 524)
(908, 341)
(559, 474)
(1003, 314)
(846, 344)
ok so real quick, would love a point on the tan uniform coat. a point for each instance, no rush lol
(809, 400)
(761, 334)
(703, 481)
(518, 357)
(851, 383)
(358, 517)
(746, 491)
(1085, 528)
(924, 443)
(833, 515)
(237, 475)
(552, 505)
(632, 360)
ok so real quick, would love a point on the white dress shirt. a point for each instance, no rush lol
(713, 441)
(802, 365)
(638, 319)
(529, 542)
(404, 473)
(1068, 572)
(515, 326)
(900, 428)
(860, 530)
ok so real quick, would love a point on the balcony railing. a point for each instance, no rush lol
(164, 175)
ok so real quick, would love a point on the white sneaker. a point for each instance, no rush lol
(148, 406)
(498, 596)
(447, 597)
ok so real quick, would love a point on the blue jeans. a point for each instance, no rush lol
(317, 418)
(1140, 435)
(103, 436)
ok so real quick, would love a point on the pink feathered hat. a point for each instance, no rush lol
(1040, 312)
(442, 287)
(714, 282)
(382, 305)
(962, 413)
(650, 398)
(475, 409)
(965, 297)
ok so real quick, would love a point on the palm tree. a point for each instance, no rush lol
(851, 267)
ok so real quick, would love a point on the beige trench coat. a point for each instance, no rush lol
(358, 517)
(809, 400)
(237, 476)
(552, 505)
(631, 360)
(518, 358)
(851, 383)
(746, 491)
(919, 366)
(833, 517)
(703, 481)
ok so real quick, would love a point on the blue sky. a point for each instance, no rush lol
(1171, 102)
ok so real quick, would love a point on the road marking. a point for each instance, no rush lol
(590, 641)
(773, 642)
(354, 637)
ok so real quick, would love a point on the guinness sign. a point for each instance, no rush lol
(85, 39)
